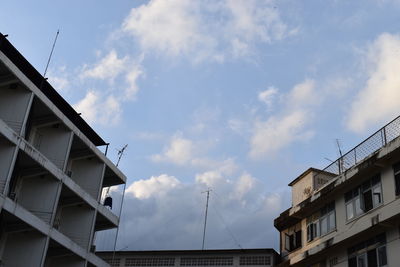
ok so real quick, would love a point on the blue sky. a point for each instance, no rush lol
(237, 95)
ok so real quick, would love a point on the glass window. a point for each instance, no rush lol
(369, 253)
(357, 203)
(324, 225)
(377, 195)
(364, 198)
(367, 200)
(362, 260)
(349, 210)
(382, 260)
(396, 169)
(332, 221)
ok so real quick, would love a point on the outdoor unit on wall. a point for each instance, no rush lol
(375, 219)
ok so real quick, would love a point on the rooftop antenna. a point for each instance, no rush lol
(340, 156)
(48, 61)
(205, 217)
(108, 201)
(121, 153)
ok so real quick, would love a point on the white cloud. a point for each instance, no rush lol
(162, 184)
(179, 151)
(268, 95)
(184, 27)
(162, 212)
(281, 129)
(105, 105)
(108, 67)
(132, 78)
(377, 102)
(303, 94)
(278, 132)
(96, 108)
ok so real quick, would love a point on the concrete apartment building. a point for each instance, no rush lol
(51, 173)
(349, 213)
(180, 258)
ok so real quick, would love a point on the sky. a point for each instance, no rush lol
(236, 96)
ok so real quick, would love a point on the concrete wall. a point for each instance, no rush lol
(346, 229)
(120, 260)
(14, 114)
(7, 153)
(88, 173)
(77, 223)
(24, 249)
(38, 194)
(302, 188)
(53, 141)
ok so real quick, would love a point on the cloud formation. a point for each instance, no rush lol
(377, 102)
(105, 106)
(184, 27)
(179, 151)
(162, 212)
(283, 128)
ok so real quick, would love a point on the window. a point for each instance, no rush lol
(149, 261)
(370, 253)
(396, 169)
(322, 222)
(364, 197)
(209, 261)
(113, 262)
(293, 241)
(255, 260)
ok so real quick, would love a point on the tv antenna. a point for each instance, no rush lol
(120, 154)
(205, 217)
(51, 53)
(340, 160)
(108, 201)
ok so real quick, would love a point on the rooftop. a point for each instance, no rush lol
(40, 82)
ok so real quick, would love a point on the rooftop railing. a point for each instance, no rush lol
(379, 139)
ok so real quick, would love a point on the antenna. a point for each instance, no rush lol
(120, 154)
(205, 217)
(108, 199)
(338, 145)
(340, 160)
(51, 53)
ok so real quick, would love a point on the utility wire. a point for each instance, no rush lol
(226, 225)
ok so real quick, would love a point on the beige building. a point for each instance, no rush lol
(52, 174)
(349, 213)
(199, 258)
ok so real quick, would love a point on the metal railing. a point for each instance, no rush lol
(379, 139)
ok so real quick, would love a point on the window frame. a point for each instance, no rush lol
(355, 199)
(325, 214)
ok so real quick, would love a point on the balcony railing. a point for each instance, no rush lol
(379, 139)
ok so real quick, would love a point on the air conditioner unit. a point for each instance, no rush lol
(375, 219)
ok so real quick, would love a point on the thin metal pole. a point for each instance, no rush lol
(205, 218)
(51, 53)
(119, 222)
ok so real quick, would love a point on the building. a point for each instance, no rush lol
(347, 214)
(51, 173)
(178, 258)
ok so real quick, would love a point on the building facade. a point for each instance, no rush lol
(180, 258)
(52, 174)
(347, 214)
